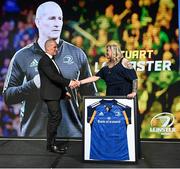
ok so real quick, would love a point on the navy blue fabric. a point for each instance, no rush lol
(118, 79)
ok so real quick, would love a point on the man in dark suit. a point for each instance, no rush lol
(52, 90)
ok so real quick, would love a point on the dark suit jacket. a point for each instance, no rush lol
(52, 82)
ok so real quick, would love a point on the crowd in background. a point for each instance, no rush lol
(136, 25)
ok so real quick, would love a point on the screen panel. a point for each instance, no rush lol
(147, 32)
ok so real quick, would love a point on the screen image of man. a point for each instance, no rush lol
(22, 81)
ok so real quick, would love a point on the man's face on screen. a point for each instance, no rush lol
(50, 23)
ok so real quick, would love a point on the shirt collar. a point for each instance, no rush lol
(50, 56)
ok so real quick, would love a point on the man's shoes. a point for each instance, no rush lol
(55, 149)
(63, 147)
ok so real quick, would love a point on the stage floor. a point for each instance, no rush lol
(33, 154)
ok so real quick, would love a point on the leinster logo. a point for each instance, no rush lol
(68, 59)
(162, 123)
(117, 113)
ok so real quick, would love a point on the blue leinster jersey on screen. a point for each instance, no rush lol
(108, 121)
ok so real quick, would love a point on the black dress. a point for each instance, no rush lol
(118, 79)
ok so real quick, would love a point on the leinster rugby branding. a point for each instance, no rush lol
(146, 60)
(163, 123)
(68, 59)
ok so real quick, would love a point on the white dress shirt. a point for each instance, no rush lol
(51, 57)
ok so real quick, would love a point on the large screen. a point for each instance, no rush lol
(148, 34)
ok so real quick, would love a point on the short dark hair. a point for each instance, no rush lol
(46, 45)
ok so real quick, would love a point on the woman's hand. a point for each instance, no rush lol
(131, 95)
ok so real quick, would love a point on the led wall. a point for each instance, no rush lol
(148, 33)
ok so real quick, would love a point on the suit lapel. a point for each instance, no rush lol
(53, 64)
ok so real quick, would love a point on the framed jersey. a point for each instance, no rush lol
(110, 129)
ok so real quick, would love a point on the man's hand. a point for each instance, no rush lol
(74, 84)
(68, 95)
(37, 81)
(131, 95)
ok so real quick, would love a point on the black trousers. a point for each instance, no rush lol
(54, 118)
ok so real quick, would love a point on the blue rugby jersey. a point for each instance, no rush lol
(108, 130)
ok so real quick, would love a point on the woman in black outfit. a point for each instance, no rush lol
(119, 75)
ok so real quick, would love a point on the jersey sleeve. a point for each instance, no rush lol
(101, 73)
(16, 88)
(127, 109)
(91, 109)
(130, 74)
